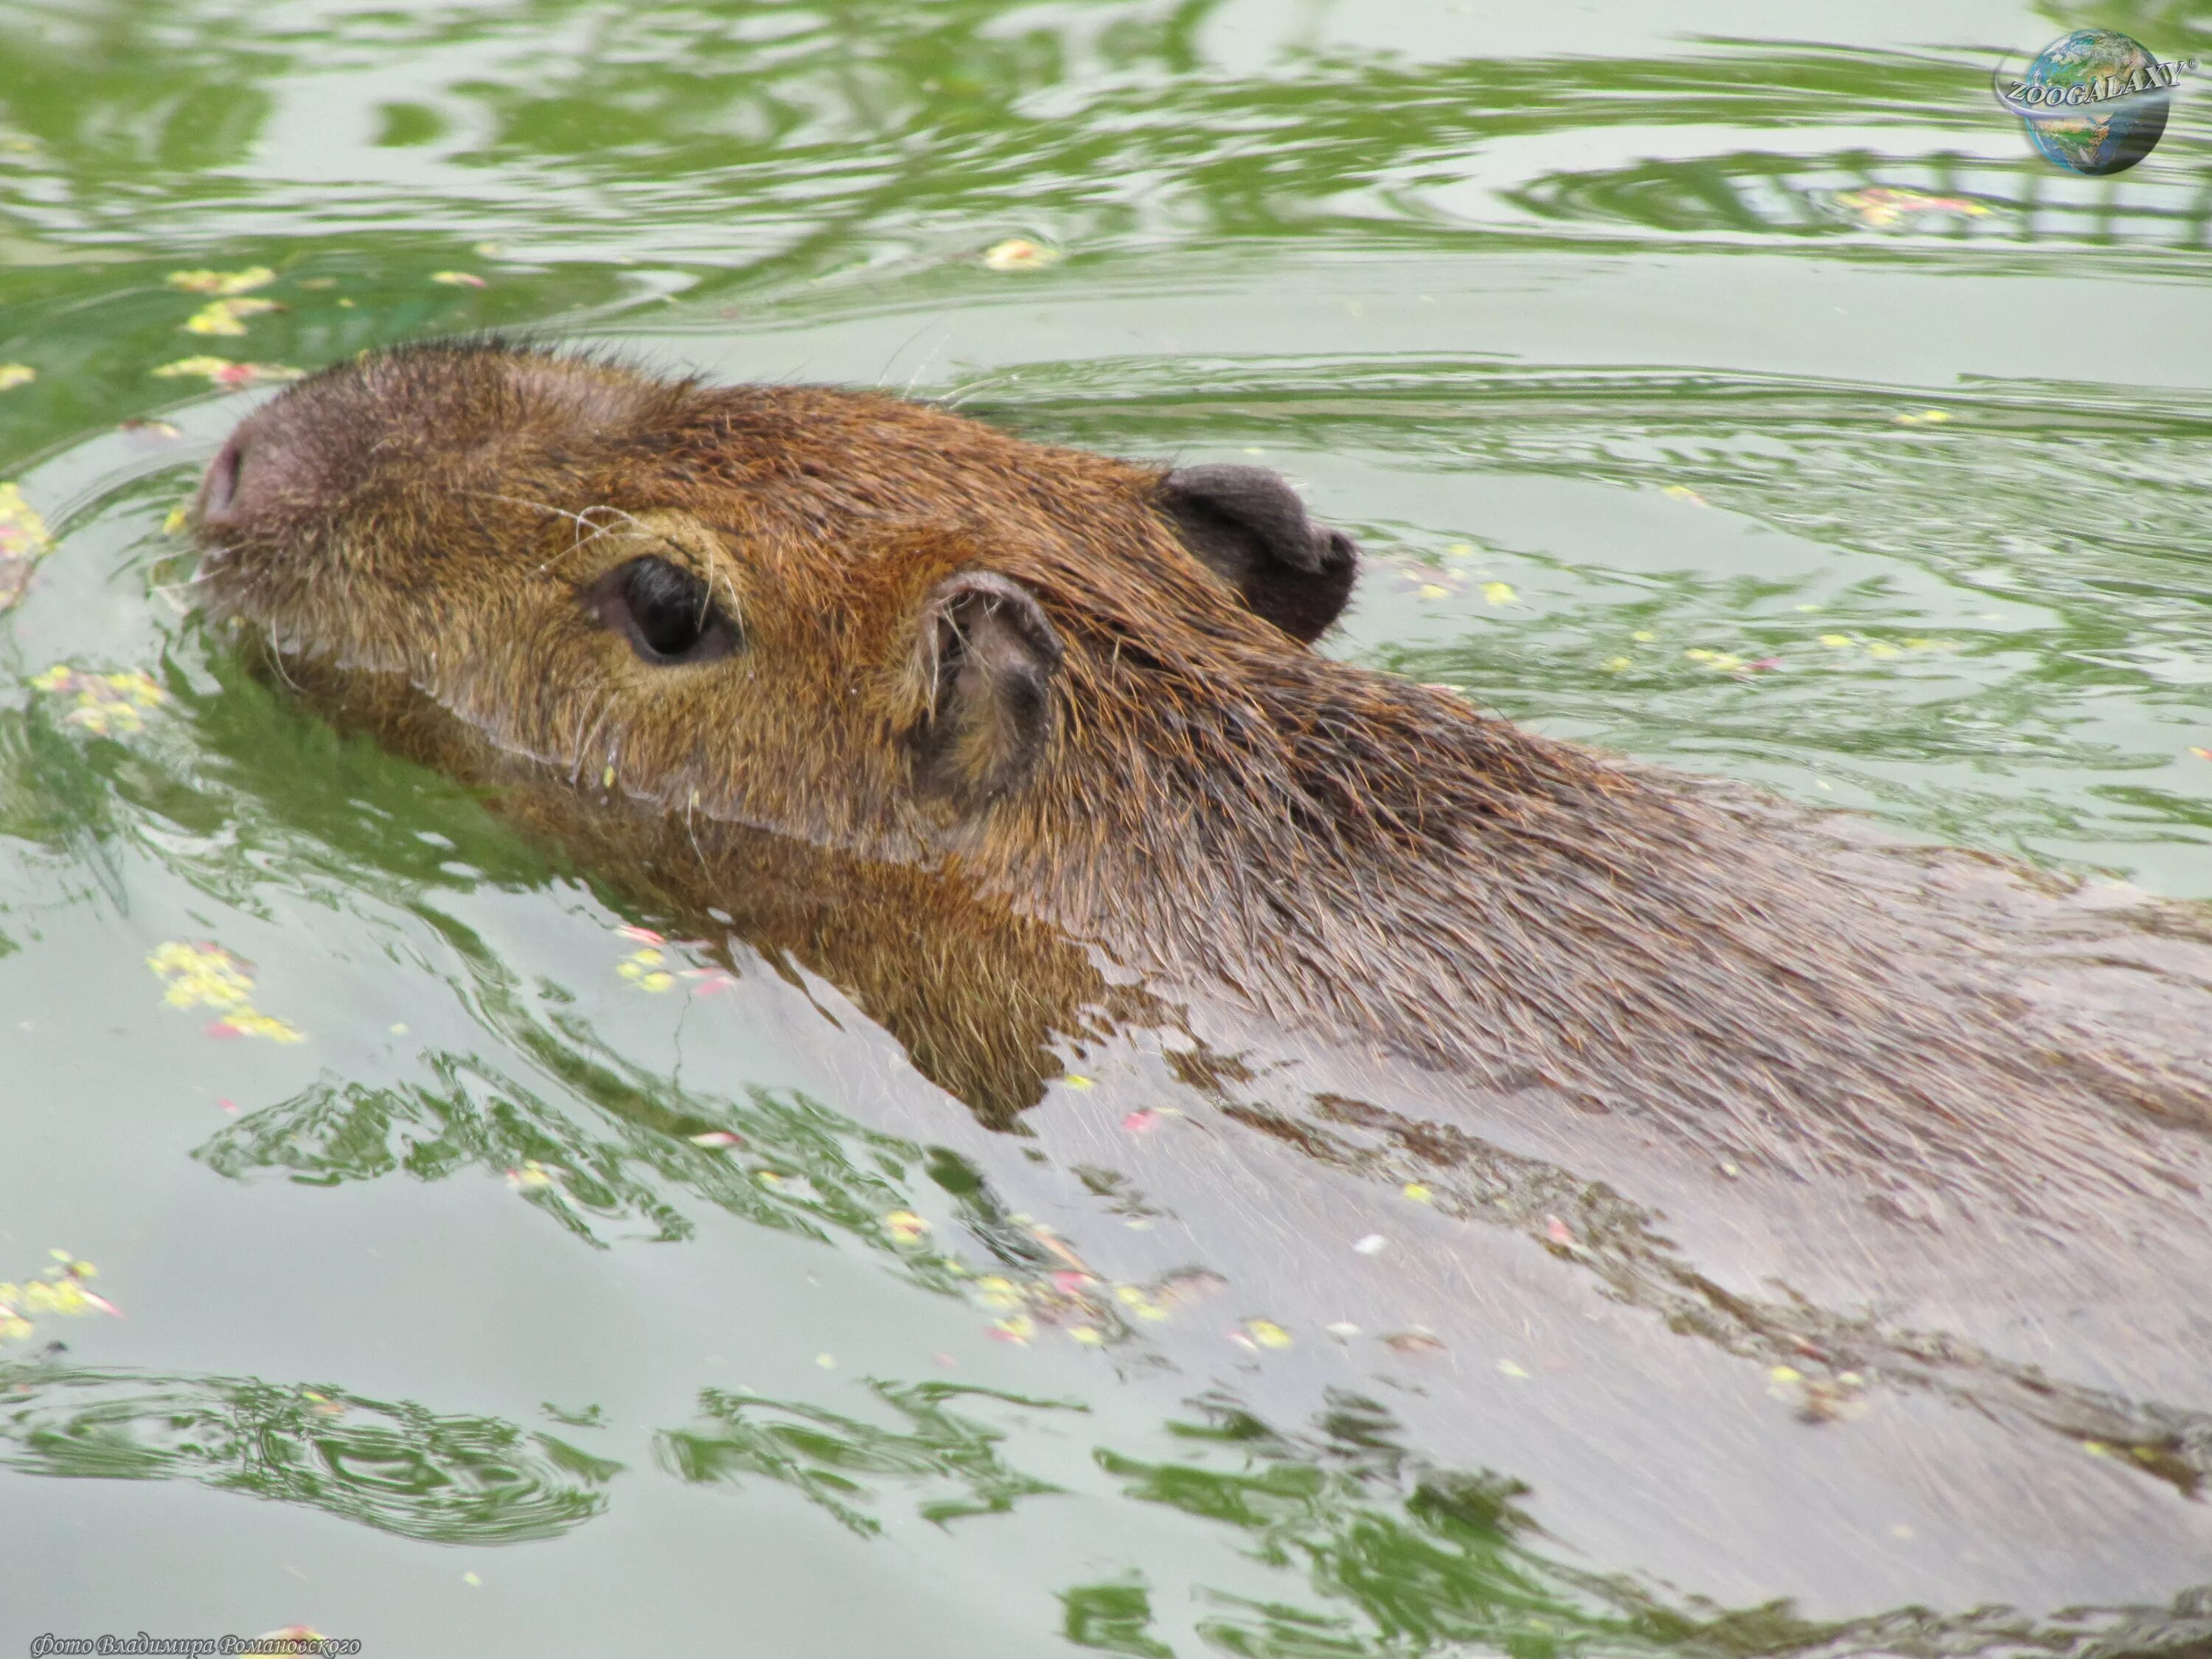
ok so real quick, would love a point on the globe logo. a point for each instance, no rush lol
(2093, 102)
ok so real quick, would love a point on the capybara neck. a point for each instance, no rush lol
(1082, 691)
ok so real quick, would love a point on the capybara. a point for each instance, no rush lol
(1079, 690)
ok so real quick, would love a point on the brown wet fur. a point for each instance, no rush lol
(998, 752)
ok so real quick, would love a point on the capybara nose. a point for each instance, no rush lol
(260, 469)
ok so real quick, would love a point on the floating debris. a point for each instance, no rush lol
(717, 1138)
(1413, 1341)
(1019, 253)
(60, 1290)
(222, 282)
(1879, 207)
(1818, 1400)
(905, 1227)
(202, 974)
(643, 970)
(23, 543)
(1145, 1119)
(1683, 492)
(1726, 662)
(1418, 1193)
(458, 279)
(227, 316)
(224, 373)
(1499, 594)
(15, 375)
(106, 703)
(1370, 1245)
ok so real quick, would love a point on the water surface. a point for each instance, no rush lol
(1750, 399)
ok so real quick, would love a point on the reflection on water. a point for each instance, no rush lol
(1753, 401)
(942, 1456)
(394, 1465)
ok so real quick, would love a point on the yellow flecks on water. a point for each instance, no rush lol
(1089, 1336)
(1267, 1334)
(202, 975)
(1513, 1370)
(1139, 1301)
(15, 375)
(60, 1290)
(106, 703)
(1459, 550)
(1418, 1193)
(23, 543)
(827, 1361)
(1883, 650)
(1019, 253)
(1077, 1081)
(1019, 1328)
(1643, 636)
(2201, 753)
(905, 1227)
(996, 1290)
(223, 372)
(178, 517)
(1925, 417)
(1499, 594)
(1433, 591)
(250, 1022)
(458, 279)
(1878, 207)
(227, 316)
(1619, 664)
(222, 282)
(643, 970)
(1683, 492)
(529, 1176)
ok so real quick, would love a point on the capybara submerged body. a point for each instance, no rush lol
(1022, 745)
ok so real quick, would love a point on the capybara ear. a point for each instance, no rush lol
(988, 657)
(1247, 525)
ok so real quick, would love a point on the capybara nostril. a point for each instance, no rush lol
(219, 489)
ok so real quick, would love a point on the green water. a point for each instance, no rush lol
(442, 1328)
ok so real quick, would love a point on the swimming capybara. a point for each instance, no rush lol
(1078, 692)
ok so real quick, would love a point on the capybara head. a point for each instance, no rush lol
(837, 615)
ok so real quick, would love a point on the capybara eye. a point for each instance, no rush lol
(667, 613)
